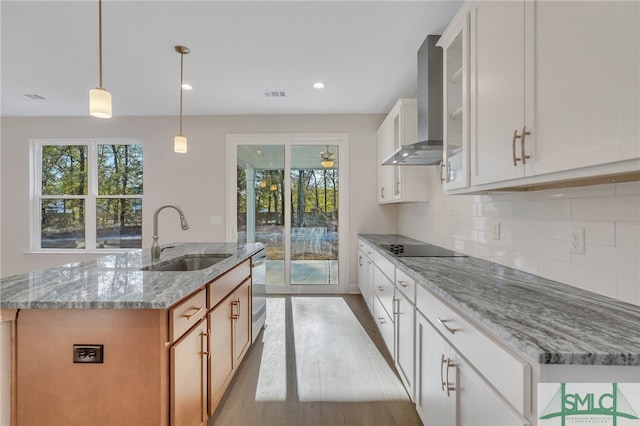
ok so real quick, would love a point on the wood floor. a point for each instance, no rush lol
(319, 361)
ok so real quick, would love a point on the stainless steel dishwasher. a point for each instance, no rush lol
(258, 292)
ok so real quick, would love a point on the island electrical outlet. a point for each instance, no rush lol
(88, 354)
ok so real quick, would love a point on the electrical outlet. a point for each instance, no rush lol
(88, 354)
(576, 240)
(496, 230)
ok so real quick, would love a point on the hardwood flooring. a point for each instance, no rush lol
(319, 361)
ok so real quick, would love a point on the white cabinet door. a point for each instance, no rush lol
(365, 278)
(587, 88)
(434, 406)
(500, 31)
(385, 173)
(478, 403)
(455, 45)
(405, 338)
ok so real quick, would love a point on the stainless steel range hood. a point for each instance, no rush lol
(428, 150)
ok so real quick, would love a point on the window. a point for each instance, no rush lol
(87, 195)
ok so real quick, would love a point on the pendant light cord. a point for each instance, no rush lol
(100, 39)
(181, 74)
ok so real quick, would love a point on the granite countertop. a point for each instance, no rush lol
(549, 322)
(116, 281)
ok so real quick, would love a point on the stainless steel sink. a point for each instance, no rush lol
(187, 263)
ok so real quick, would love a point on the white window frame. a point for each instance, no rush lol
(90, 198)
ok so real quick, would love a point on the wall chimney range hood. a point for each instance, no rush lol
(428, 150)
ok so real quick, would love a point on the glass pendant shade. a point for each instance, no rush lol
(180, 144)
(327, 163)
(100, 103)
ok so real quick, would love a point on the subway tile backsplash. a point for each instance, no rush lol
(534, 232)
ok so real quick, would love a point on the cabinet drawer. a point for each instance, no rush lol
(385, 266)
(186, 314)
(509, 375)
(383, 288)
(366, 248)
(406, 285)
(385, 325)
(225, 284)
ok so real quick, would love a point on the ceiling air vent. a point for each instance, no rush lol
(34, 97)
(275, 93)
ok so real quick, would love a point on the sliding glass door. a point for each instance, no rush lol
(298, 218)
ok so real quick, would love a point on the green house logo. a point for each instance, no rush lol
(582, 407)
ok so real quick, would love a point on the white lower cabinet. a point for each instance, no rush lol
(435, 404)
(449, 391)
(365, 277)
(385, 324)
(405, 340)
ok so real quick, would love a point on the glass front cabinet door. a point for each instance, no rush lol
(455, 45)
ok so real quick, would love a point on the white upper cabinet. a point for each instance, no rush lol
(398, 184)
(385, 173)
(554, 92)
(500, 73)
(587, 84)
(455, 59)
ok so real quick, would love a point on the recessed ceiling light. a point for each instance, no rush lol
(186, 86)
(318, 85)
(259, 152)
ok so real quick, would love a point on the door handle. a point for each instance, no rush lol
(450, 364)
(198, 309)
(522, 140)
(449, 329)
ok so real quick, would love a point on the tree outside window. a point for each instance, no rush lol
(89, 195)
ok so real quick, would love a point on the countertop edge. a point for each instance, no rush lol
(532, 353)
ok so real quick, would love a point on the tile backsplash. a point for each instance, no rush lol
(534, 232)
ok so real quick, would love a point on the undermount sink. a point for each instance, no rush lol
(187, 263)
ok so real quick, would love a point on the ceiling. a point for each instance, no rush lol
(364, 51)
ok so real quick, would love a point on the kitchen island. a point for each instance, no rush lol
(497, 329)
(112, 341)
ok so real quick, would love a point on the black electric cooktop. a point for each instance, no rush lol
(420, 250)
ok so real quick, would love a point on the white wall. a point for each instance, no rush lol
(535, 232)
(195, 181)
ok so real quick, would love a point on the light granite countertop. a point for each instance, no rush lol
(549, 322)
(116, 281)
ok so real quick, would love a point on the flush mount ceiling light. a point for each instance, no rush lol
(328, 158)
(180, 141)
(99, 98)
(318, 85)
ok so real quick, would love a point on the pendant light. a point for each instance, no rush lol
(180, 141)
(99, 98)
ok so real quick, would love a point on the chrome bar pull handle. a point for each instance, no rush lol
(443, 176)
(522, 138)
(450, 364)
(513, 148)
(442, 363)
(359, 260)
(403, 283)
(449, 329)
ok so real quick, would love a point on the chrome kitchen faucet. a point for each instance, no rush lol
(155, 247)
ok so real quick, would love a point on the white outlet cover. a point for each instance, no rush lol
(496, 230)
(576, 240)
